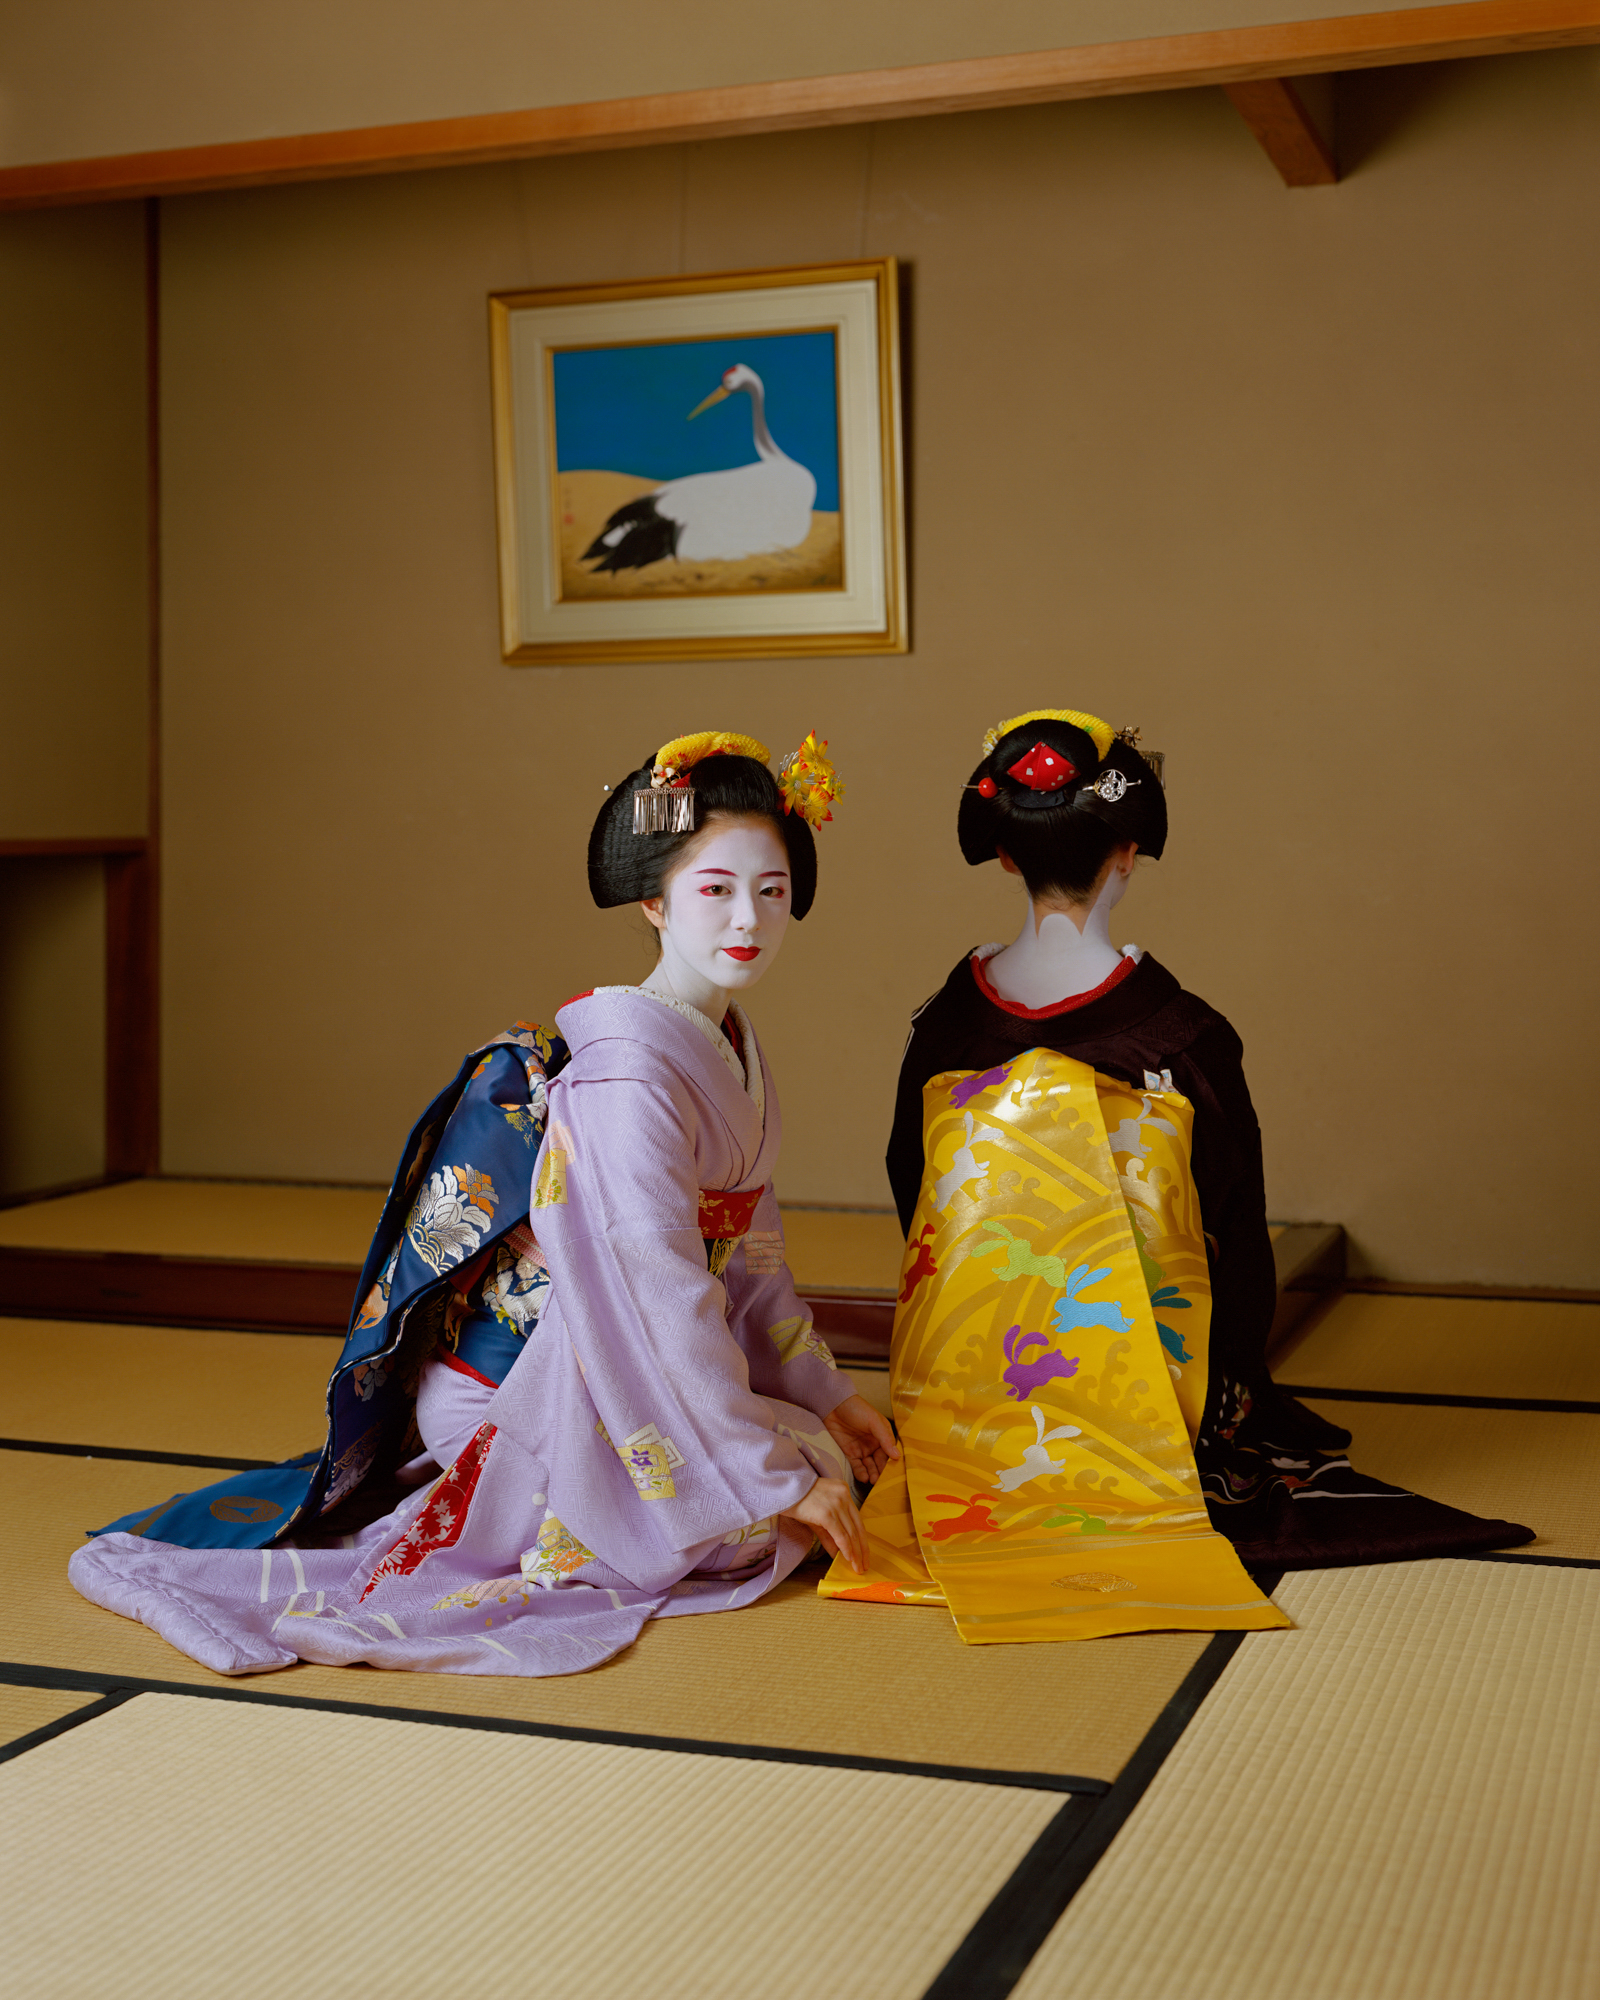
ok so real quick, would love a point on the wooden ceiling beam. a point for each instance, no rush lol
(1288, 134)
(1103, 69)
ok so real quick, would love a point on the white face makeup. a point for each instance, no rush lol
(723, 915)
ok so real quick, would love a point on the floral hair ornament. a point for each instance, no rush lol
(809, 783)
(668, 806)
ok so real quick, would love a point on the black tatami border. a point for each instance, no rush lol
(63, 1723)
(1316, 1393)
(77, 1680)
(143, 1457)
(1533, 1562)
(998, 1949)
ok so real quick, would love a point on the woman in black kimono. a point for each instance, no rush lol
(1062, 801)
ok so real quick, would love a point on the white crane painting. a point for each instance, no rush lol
(748, 510)
(739, 512)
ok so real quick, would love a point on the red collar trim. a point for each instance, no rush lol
(1073, 1000)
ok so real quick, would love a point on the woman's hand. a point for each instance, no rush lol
(863, 1436)
(831, 1513)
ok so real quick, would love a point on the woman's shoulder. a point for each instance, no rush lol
(628, 1033)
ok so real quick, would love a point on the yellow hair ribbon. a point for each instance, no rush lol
(1102, 733)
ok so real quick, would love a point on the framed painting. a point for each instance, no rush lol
(694, 468)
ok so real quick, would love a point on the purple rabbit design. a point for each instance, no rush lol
(1027, 1374)
(962, 1093)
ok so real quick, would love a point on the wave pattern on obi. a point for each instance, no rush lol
(1049, 1370)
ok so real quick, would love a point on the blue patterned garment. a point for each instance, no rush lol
(453, 1261)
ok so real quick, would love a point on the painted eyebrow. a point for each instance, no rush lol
(766, 873)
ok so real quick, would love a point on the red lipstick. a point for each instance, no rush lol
(743, 952)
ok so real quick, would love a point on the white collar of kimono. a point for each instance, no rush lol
(748, 1072)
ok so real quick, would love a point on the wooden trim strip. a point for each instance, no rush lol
(1168, 62)
(25, 850)
(133, 1026)
(233, 1294)
(1422, 1288)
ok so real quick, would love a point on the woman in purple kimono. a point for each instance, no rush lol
(670, 1435)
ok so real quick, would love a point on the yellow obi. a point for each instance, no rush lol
(1049, 1370)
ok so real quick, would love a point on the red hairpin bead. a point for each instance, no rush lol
(987, 788)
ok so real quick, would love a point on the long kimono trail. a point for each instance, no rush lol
(1049, 1369)
(614, 1410)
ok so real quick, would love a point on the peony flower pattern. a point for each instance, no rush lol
(451, 1215)
(516, 1292)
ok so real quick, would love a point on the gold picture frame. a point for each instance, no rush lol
(627, 530)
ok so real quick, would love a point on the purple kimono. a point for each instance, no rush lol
(633, 1462)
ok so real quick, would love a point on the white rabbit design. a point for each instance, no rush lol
(1036, 1461)
(965, 1166)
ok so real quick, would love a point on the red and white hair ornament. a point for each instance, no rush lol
(1042, 769)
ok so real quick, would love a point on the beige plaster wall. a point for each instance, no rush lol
(74, 637)
(1302, 483)
(52, 1022)
(81, 78)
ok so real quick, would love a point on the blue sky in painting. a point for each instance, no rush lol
(625, 409)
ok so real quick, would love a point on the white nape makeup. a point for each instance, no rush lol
(1063, 948)
(722, 915)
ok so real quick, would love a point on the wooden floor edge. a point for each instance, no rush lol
(1167, 62)
(1422, 1288)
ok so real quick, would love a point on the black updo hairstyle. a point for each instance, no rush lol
(626, 867)
(1060, 840)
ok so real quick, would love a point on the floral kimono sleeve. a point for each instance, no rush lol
(772, 1323)
(616, 1211)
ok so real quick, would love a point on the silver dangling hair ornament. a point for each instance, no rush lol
(1156, 759)
(660, 810)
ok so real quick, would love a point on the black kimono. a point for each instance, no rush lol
(1261, 1454)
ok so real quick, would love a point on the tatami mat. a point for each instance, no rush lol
(23, 1709)
(1400, 1800)
(247, 1219)
(794, 1670)
(1457, 1347)
(1538, 1467)
(843, 1249)
(221, 1843)
(851, 1249)
(142, 1388)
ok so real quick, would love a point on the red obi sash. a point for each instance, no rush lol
(724, 1216)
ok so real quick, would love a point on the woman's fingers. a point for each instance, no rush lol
(883, 1435)
(855, 1535)
(831, 1513)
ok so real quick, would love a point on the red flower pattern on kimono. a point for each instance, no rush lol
(442, 1518)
